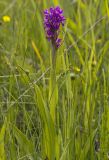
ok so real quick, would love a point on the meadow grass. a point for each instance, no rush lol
(66, 120)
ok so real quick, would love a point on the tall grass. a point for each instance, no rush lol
(63, 120)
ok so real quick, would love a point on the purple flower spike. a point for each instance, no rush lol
(53, 18)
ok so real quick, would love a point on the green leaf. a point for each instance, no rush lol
(2, 150)
(24, 143)
(103, 52)
(48, 130)
(87, 146)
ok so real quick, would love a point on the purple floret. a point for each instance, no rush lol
(53, 18)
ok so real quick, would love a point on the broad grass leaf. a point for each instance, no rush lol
(107, 7)
(24, 143)
(87, 146)
(103, 52)
(37, 51)
(48, 129)
(2, 143)
(63, 156)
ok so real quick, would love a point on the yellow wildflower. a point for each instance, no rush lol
(76, 69)
(6, 18)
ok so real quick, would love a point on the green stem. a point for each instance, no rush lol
(53, 86)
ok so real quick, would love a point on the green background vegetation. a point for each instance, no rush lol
(68, 120)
